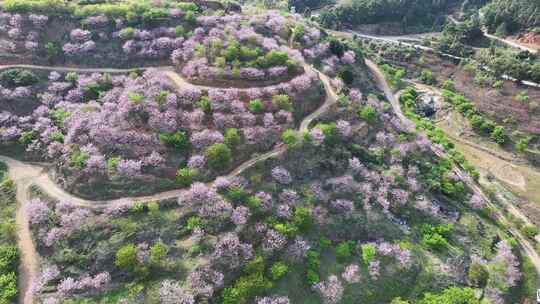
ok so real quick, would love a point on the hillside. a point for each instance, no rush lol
(170, 152)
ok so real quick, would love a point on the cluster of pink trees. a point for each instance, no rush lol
(131, 115)
(23, 31)
(97, 283)
(330, 290)
(244, 39)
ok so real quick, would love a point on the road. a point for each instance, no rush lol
(502, 40)
(526, 245)
(26, 174)
(23, 176)
(395, 40)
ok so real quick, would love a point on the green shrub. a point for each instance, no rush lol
(194, 222)
(499, 135)
(287, 229)
(205, 105)
(178, 140)
(312, 277)
(529, 231)
(237, 194)
(368, 113)
(127, 33)
(452, 295)
(246, 288)
(256, 265)
(448, 85)
(523, 144)
(26, 137)
(283, 102)
(278, 270)
(435, 237)
(344, 251)
(427, 77)
(112, 163)
(9, 259)
(325, 243)
(126, 257)
(303, 219)
(219, 156)
(232, 138)
(186, 176)
(331, 133)
(368, 253)
(256, 106)
(36, 6)
(78, 159)
(158, 252)
(18, 77)
(290, 138)
(8, 287)
(478, 274)
(254, 203)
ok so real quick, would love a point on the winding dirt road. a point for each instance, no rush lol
(394, 40)
(25, 174)
(502, 40)
(526, 245)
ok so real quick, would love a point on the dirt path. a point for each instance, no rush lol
(29, 266)
(395, 40)
(26, 174)
(510, 43)
(507, 167)
(526, 245)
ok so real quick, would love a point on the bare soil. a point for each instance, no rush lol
(500, 105)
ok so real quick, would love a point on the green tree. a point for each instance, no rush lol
(529, 231)
(499, 135)
(368, 253)
(283, 102)
(303, 219)
(178, 140)
(9, 259)
(8, 287)
(344, 251)
(186, 176)
(256, 106)
(452, 295)
(478, 274)
(427, 77)
(219, 156)
(232, 138)
(158, 252)
(290, 138)
(278, 270)
(126, 257)
(368, 113)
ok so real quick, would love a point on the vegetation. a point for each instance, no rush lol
(505, 17)
(407, 13)
(9, 253)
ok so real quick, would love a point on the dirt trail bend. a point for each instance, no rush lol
(526, 245)
(38, 176)
(505, 41)
(26, 174)
(22, 176)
